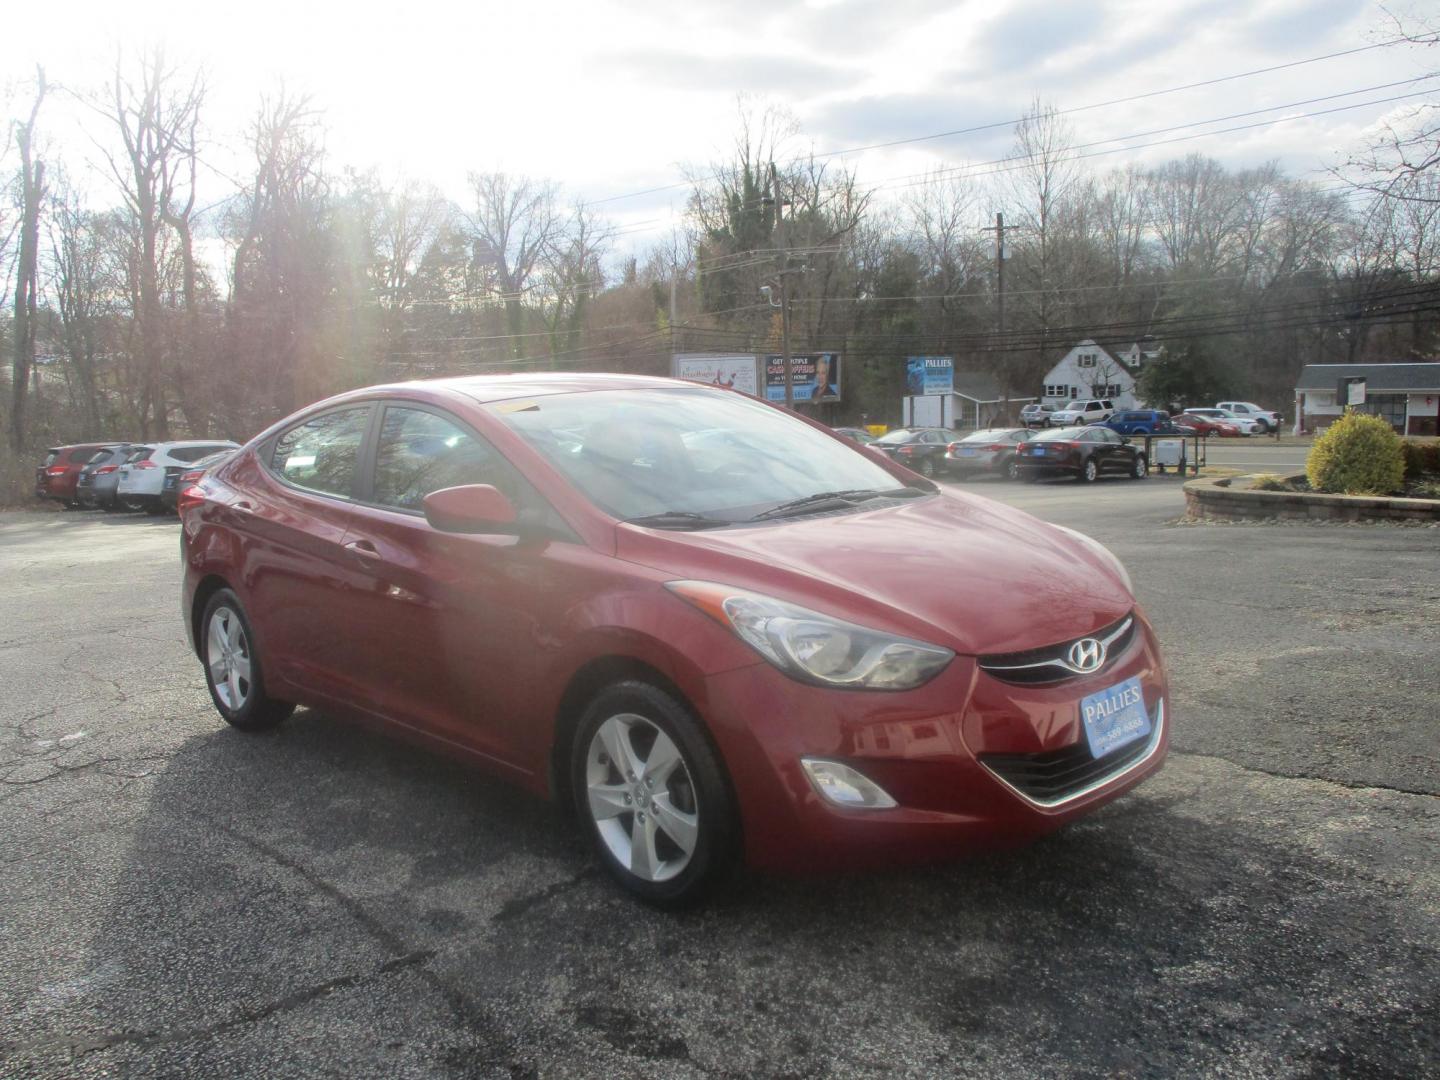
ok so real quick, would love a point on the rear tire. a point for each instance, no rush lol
(1012, 469)
(1089, 471)
(926, 468)
(233, 671)
(1140, 469)
(671, 837)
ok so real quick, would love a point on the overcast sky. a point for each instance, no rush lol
(611, 97)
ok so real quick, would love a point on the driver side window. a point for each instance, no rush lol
(419, 452)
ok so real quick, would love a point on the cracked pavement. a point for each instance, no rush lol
(180, 899)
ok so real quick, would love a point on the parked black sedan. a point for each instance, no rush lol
(1084, 452)
(921, 449)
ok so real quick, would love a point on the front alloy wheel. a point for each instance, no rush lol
(649, 787)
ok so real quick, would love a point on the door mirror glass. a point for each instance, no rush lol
(470, 508)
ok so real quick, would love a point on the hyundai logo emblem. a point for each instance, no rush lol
(1087, 654)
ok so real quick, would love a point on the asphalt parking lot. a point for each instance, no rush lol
(183, 900)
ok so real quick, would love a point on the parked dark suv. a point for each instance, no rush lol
(1141, 422)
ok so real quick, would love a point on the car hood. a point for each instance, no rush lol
(955, 569)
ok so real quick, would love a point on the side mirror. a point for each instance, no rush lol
(470, 508)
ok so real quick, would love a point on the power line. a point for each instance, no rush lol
(992, 125)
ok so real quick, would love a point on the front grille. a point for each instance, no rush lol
(1050, 663)
(1056, 775)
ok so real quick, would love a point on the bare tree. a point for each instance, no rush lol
(32, 195)
(156, 114)
(1406, 147)
(513, 224)
(571, 276)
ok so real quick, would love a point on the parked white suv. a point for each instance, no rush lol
(1248, 410)
(142, 473)
(1092, 411)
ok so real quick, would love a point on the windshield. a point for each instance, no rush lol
(636, 453)
(1063, 434)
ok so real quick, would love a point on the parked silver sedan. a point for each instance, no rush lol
(989, 450)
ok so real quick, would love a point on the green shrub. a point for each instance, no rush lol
(1357, 455)
(1421, 458)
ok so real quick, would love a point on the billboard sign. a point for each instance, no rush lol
(735, 372)
(929, 375)
(813, 377)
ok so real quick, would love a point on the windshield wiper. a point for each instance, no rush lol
(816, 503)
(678, 519)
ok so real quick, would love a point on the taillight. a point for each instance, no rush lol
(194, 495)
(192, 477)
(147, 464)
(952, 448)
(55, 470)
(906, 450)
(106, 469)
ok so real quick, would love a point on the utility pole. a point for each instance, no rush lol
(784, 290)
(1000, 270)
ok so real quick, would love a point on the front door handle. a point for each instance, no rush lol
(364, 549)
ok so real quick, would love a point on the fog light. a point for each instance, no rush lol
(840, 784)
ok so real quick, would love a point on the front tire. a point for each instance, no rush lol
(652, 796)
(233, 670)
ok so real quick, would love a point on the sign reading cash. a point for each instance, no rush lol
(813, 377)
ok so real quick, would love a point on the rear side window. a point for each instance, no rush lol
(323, 453)
(420, 452)
(80, 457)
(142, 454)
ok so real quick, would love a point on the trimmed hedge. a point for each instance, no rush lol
(1421, 459)
(1357, 455)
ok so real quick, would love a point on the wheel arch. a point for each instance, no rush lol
(208, 586)
(583, 685)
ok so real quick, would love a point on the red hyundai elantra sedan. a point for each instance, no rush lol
(719, 630)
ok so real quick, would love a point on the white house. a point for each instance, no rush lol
(1407, 395)
(1088, 371)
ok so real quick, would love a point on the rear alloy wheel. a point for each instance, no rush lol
(1140, 469)
(1012, 469)
(927, 468)
(1089, 471)
(651, 792)
(232, 667)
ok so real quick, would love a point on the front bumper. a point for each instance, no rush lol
(927, 749)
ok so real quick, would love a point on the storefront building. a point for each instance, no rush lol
(1407, 395)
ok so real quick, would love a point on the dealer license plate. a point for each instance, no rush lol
(1115, 717)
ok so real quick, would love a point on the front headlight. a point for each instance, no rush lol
(1106, 555)
(817, 648)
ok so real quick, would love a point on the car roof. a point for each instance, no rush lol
(487, 388)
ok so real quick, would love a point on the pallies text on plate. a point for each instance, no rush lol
(1125, 696)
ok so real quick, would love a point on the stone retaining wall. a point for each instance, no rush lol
(1207, 498)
